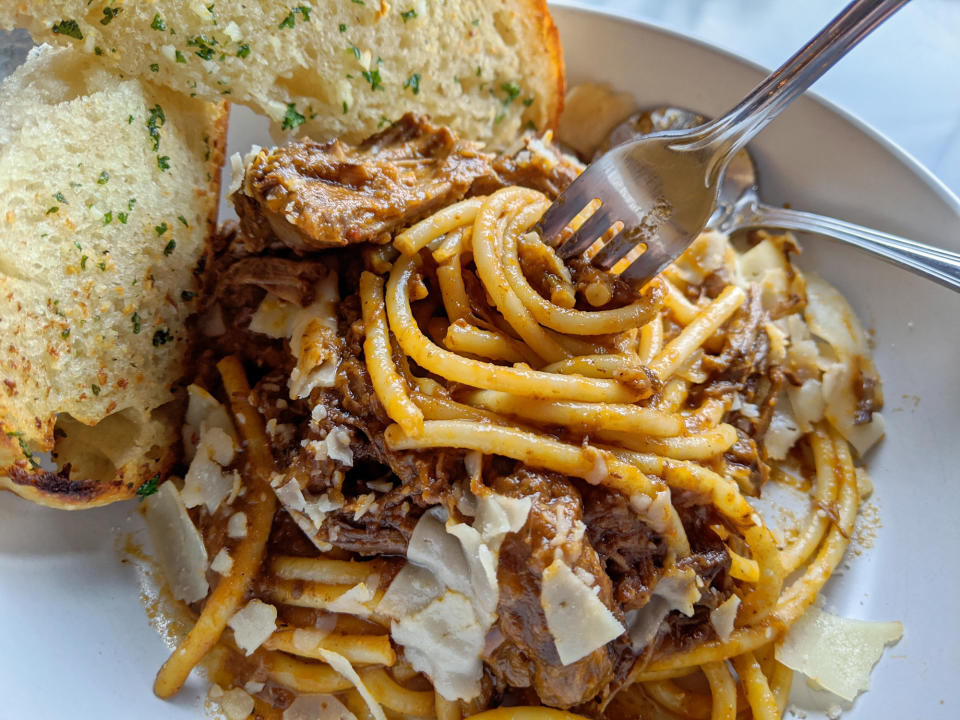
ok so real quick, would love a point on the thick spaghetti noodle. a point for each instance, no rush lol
(532, 438)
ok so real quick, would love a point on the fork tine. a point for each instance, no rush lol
(655, 259)
(587, 234)
(564, 209)
(618, 246)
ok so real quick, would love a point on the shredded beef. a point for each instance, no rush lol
(528, 657)
(631, 552)
(310, 196)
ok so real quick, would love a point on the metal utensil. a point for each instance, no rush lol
(739, 206)
(658, 193)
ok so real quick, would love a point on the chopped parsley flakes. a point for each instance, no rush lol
(290, 20)
(244, 50)
(135, 319)
(158, 23)
(109, 14)
(413, 82)
(512, 90)
(163, 162)
(171, 246)
(24, 448)
(162, 337)
(204, 46)
(68, 28)
(373, 77)
(292, 119)
(178, 56)
(104, 178)
(408, 14)
(96, 389)
(155, 121)
(161, 228)
(149, 487)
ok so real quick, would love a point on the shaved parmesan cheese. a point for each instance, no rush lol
(317, 707)
(412, 590)
(841, 404)
(807, 403)
(274, 317)
(342, 665)
(577, 619)
(443, 602)
(291, 495)
(203, 413)
(444, 641)
(660, 514)
(723, 617)
(837, 653)
(237, 164)
(235, 703)
(829, 316)
(237, 526)
(710, 252)
(222, 563)
(253, 687)
(354, 601)
(177, 544)
(253, 624)
(676, 590)
(313, 341)
(433, 548)
(338, 446)
(782, 432)
(206, 483)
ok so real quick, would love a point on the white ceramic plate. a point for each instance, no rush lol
(75, 640)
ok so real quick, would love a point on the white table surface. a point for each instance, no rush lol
(904, 79)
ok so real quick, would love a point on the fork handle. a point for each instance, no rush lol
(724, 137)
(933, 263)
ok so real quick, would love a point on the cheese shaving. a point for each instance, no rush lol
(317, 707)
(577, 619)
(177, 544)
(342, 665)
(723, 617)
(443, 602)
(222, 563)
(836, 653)
(354, 601)
(253, 624)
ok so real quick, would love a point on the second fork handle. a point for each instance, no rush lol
(939, 265)
(725, 136)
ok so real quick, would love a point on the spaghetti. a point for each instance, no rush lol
(619, 445)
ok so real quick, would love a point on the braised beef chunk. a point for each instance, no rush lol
(535, 164)
(527, 657)
(743, 368)
(631, 552)
(310, 196)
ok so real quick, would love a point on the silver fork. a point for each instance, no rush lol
(663, 188)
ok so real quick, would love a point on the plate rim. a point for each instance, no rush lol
(921, 171)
